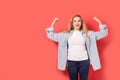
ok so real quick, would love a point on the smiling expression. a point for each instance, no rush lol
(76, 23)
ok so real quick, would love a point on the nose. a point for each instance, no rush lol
(77, 23)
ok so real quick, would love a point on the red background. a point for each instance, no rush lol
(27, 54)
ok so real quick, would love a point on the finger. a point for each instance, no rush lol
(56, 19)
(95, 18)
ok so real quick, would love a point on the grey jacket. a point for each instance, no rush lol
(91, 45)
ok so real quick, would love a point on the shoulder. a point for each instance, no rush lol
(91, 33)
(63, 33)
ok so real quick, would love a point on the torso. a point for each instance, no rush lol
(76, 47)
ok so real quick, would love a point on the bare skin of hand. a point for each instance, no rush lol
(97, 20)
(54, 21)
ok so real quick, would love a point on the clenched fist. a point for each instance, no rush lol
(96, 19)
(54, 21)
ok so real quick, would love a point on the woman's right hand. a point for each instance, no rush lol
(54, 21)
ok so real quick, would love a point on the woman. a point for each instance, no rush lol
(77, 47)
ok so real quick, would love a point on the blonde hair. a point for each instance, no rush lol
(83, 25)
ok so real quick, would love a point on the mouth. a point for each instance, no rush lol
(77, 25)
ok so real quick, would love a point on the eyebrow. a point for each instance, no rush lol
(78, 20)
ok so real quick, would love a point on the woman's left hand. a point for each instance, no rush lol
(96, 19)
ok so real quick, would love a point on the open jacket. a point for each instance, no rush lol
(91, 46)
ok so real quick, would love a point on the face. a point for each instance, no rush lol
(77, 23)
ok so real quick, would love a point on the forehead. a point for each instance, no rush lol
(76, 18)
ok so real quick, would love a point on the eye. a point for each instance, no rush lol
(79, 20)
(74, 20)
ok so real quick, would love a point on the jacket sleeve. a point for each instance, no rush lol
(51, 35)
(102, 33)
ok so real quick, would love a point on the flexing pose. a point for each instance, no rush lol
(77, 47)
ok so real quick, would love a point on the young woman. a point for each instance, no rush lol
(77, 47)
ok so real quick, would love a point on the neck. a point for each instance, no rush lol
(76, 30)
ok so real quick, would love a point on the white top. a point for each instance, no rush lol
(76, 47)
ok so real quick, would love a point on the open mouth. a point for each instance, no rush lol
(77, 25)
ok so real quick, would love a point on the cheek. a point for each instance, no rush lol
(80, 23)
(73, 24)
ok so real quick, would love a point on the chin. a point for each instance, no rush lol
(78, 28)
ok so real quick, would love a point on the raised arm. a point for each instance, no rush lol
(50, 32)
(103, 29)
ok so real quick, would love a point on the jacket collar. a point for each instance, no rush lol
(73, 30)
(70, 33)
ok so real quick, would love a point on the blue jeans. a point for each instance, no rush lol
(78, 66)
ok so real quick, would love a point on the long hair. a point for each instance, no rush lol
(83, 25)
